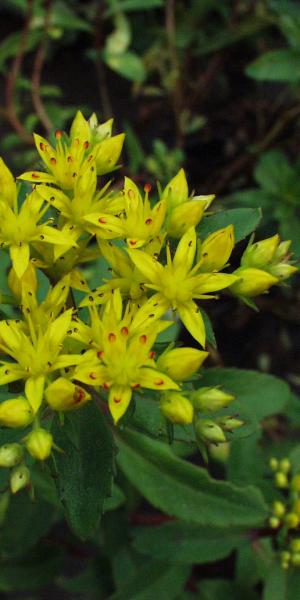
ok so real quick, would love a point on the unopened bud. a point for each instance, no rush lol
(216, 249)
(39, 443)
(285, 465)
(63, 395)
(273, 464)
(252, 282)
(295, 559)
(10, 455)
(282, 270)
(80, 128)
(260, 254)
(278, 509)
(177, 408)
(292, 520)
(19, 478)
(295, 545)
(16, 412)
(186, 215)
(230, 423)
(281, 480)
(274, 522)
(176, 192)
(295, 483)
(181, 363)
(210, 399)
(209, 431)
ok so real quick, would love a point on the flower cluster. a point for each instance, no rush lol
(286, 512)
(72, 343)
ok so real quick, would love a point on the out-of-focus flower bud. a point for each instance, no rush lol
(19, 478)
(39, 443)
(230, 423)
(209, 431)
(252, 282)
(295, 559)
(10, 455)
(210, 399)
(278, 509)
(295, 545)
(292, 520)
(63, 395)
(181, 363)
(273, 464)
(274, 522)
(285, 465)
(281, 480)
(295, 483)
(216, 249)
(176, 408)
(16, 412)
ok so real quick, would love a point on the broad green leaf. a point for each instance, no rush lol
(244, 221)
(31, 573)
(185, 543)
(183, 490)
(131, 5)
(127, 64)
(273, 172)
(276, 583)
(210, 334)
(276, 65)
(154, 580)
(262, 393)
(84, 468)
(116, 499)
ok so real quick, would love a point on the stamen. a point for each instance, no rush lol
(58, 134)
(42, 146)
(35, 176)
(143, 339)
(111, 337)
(147, 187)
(93, 375)
(53, 160)
(100, 354)
(117, 400)
(86, 145)
(159, 382)
(102, 220)
(124, 330)
(148, 221)
(151, 354)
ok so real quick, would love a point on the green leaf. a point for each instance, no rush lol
(183, 490)
(127, 64)
(210, 334)
(185, 543)
(244, 221)
(32, 573)
(276, 582)
(262, 393)
(131, 5)
(154, 579)
(84, 468)
(276, 65)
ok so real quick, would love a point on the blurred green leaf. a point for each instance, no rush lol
(127, 64)
(276, 65)
(154, 579)
(276, 583)
(116, 6)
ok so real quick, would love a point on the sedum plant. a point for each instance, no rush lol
(96, 277)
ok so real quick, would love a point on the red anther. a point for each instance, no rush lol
(117, 400)
(100, 354)
(124, 330)
(105, 386)
(136, 386)
(159, 382)
(79, 395)
(132, 242)
(35, 176)
(148, 221)
(70, 159)
(76, 142)
(147, 187)
(53, 160)
(152, 354)
(42, 146)
(86, 145)
(90, 158)
(101, 220)
(143, 339)
(58, 134)
(93, 375)
(111, 337)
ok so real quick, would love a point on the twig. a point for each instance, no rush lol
(170, 23)
(37, 72)
(11, 112)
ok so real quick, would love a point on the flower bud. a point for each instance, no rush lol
(19, 478)
(16, 412)
(181, 363)
(39, 443)
(100, 132)
(296, 507)
(62, 394)
(216, 249)
(295, 545)
(295, 483)
(28, 279)
(281, 480)
(282, 270)
(278, 509)
(292, 520)
(108, 153)
(274, 522)
(80, 128)
(176, 408)
(282, 250)
(209, 431)
(230, 423)
(252, 282)
(176, 192)
(295, 559)
(210, 399)
(10, 455)
(285, 558)
(8, 189)
(273, 464)
(260, 254)
(285, 465)
(186, 215)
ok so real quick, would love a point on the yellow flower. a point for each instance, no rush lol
(216, 250)
(252, 282)
(121, 359)
(178, 284)
(140, 222)
(18, 230)
(176, 408)
(181, 363)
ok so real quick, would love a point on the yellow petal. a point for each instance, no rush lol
(216, 249)
(20, 256)
(37, 177)
(34, 390)
(186, 249)
(155, 380)
(147, 265)
(192, 319)
(10, 372)
(118, 401)
(181, 363)
(153, 309)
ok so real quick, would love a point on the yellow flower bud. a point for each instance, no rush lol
(230, 423)
(216, 249)
(295, 545)
(274, 522)
(296, 507)
(285, 465)
(10, 455)
(282, 250)
(292, 520)
(295, 559)
(181, 363)
(210, 399)
(260, 254)
(80, 128)
(176, 408)
(108, 153)
(281, 480)
(102, 131)
(282, 270)
(19, 478)
(186, 215)
(252, 282)
(39, 443)
(62, 394)
(285, 558)
(16, 412)
(295, 483)
(8, 189)
(278, 509)
(273, 464)
(176, 192)
(28, 279)
(209, 431)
